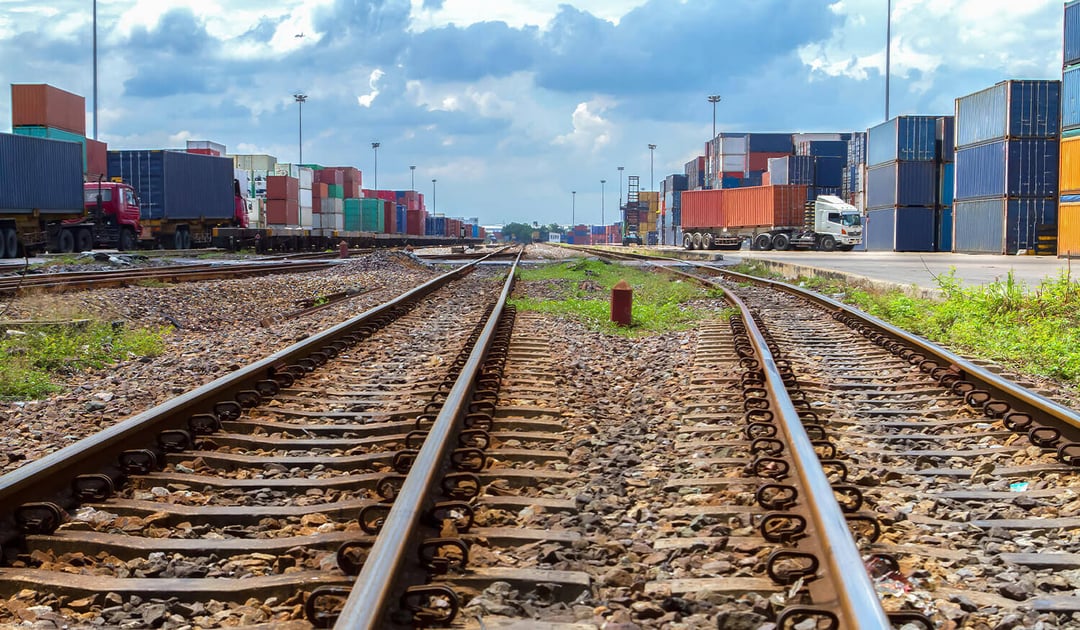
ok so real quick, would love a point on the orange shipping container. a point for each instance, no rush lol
(1069, 229)
(1070, 166)
(97, 155)
(46, 106)
(757, 206)
(282, 187)
(283, 212)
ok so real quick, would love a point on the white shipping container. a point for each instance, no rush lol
(306, 217)
(305, 197)
(289, 170)
(733, 162)
(331, 221)
(206, 144)
(257, 162)
(796, 138)
(306, 177)
(337, 206)
(733, 145)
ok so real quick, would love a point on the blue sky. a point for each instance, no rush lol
(513, 104)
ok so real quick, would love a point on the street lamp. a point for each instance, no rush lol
(888, 50)
(621, 169)
(652, 180)
(433, 196)
(602, 182)
(301, 98)
(412, 173)
(714, 99)
(375, 148)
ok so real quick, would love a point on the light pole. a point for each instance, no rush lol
(375, 148)
(602, 182)
(412, 173)
(573, 209)
(652, 180)
(714, 99)
(433, 196)
(95, 69)
(888, 50)
(301, 98)
(621, 169)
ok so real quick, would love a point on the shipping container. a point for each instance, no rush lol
(206, 147)
(944, 230)
(1001, 226)
(744, 207)
(305, 198)
(41, 105)
(823, 148)
(1070, 98)
(1014, 168)
(330, 176)
(288, 170)
(177, 186)
(796, 138)
(281, 187)
(1068, 237)
(389, 223)
(1010, 109)
(791, 169)
(856, 149)
(40, 174)
(946, 184)
(55, 134)
(282, 212)
(336, 191)
(320, 191)
(1069, 181)
(256, 162)
(695, 173)
(904, 138)
(372, 215)
(674, 182)
(353, 210)
(946, 138)
(307, 177)
(760, 161)
(769, 143)
(900, 230)
(97, 159)
(415, 222)
(1072, 33)
(901, 184)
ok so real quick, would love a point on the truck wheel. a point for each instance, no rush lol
(707, 241)
(781, 242)
(762, 242)
(688, 241)
(828, 243)
(180, 239)
(66, 242)
(697, 240)
(127, 240)
(11, 243)
(84, 241)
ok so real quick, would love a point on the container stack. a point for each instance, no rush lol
(1068, 236)
(43, 111)
(282, 200)
(672, 189)
(821, 175)
(946, 156)
(307, 198)
(206, 147)
(258, 167)
(415, 213)
(695, 173)
(726, 160)
(648, 214)
(333, 204)
(853, 187)
(97, 160)
(1007, 154)
(901, 184)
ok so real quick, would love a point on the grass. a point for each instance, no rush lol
(32, 358)
(1034, 329)
(583, 291)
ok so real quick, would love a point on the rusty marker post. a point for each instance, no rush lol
(622, 300)
(343, 249)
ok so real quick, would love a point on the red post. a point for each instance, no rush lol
(343, 249)
(622, 300)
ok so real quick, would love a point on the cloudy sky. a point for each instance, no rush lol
(513, 104)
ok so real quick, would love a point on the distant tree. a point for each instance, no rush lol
(520, 232)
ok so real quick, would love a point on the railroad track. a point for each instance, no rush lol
(73, 281)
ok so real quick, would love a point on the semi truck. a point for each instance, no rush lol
(771, 217)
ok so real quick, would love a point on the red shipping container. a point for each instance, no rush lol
(757, 206)
(282, 187)
(316, 205)
(733, 173)
(388, 195)
(390, 217)
(320, 191)
(330, 176)
(213, 152)
(414, 222)
(760, 161)
(97, 156)
(766, 179)
(349, 175)
(43, 105)
(283, 212)
(352, 190)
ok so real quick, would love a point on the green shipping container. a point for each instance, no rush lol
(336, 192)
(373, 218)
(352, 215)
(54, 134)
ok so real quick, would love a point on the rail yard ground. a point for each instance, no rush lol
(649, 463)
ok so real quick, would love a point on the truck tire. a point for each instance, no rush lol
(688, 241)
(127, 240)
(697, 240)
(84, 240)
(781, 242)
(181, 240)
(65, 242)
(762, 242)
(827, 243)
(11, 242)
(707, 241)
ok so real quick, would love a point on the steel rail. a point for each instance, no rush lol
(1017, 396)
(381, 577)
(51, 478)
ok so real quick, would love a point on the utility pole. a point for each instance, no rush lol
(375, 148)
(412, 172)
(620, 169)
(714, 99)
(95, 72)
(300, 99)
(888, 51)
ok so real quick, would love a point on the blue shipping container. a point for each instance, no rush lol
(825, 148)
(792, 169)
(856, 149)
(946, 138)
(900, 230)
(769, 143)
(947, 179)
(40, 174)
(944, 230)
(675, 182)
(906, 138)
(1010, 109)
(53, 134)
(813, 192)
(901, 184)
(1001, 226)
(731, 182)
(177, 186)
(1070, 98)
(753, 178)
(828, 172)
(1072, 33)
(1013, 168)
(400, 214)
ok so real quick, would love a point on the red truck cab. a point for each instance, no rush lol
(119, 210)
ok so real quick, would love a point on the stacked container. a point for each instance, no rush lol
(1007, 160)
(332, 205)
(648, 214)
(726, 157)
(206, 147)
(671, 206)
(901, 184)
(946, 155)
(821, 175)
(853, 188)
(1068, 236)
(695, 173)
(43, 111)
(307, 197)
(282, 200)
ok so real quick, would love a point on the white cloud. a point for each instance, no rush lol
(1018, 38)
(516, 13)
(592, 132)
(366, 100)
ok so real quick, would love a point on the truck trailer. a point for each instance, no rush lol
(770, 217)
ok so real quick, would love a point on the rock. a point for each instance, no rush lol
(617, 577)
(1017, 591)
(739, 620)
(647, 610)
